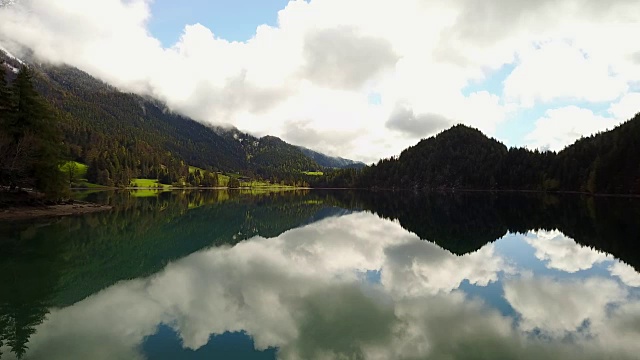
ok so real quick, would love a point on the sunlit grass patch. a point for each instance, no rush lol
(148, 183)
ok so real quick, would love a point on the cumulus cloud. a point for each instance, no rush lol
(627, 274)
(558, 307)
(404, 120)
(416, 269)
(627, 107)
(560, 71)
(343, 59)
(562, 253)
(324, 57)
(562, 127)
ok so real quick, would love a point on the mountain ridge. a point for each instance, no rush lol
(126, 135)
(333, 162)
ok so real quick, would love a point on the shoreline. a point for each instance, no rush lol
(20, 213)
(443, 190)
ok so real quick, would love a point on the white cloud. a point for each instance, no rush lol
(562, 127)
(627, 274)
(627, 107)
(560, 71)
(562, 253)
(416, 269)
(420, 58)
(559, 307)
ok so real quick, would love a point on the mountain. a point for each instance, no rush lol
(460, 157)
(123, 135)
(269, 156)
(464, 158)
(263, 152)
(331, 161)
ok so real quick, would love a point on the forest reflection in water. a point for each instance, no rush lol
(314, 274)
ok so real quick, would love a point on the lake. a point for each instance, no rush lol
(325, 275)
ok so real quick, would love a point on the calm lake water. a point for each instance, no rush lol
(325, 275)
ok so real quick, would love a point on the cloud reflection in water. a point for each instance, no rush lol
(303, 292)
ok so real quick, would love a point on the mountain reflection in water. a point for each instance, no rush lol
(326, 275)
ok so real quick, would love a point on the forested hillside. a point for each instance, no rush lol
(270, 157)
(464, 158)
(606, 163)
(458, 157)
(123, 136)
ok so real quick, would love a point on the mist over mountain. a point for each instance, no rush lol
(121, 136)
(331, 161)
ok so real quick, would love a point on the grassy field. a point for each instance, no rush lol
(147, 183)
(79, 174)
(313, 173)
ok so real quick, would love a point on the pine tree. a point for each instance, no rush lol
(30, 140)
(6, 103)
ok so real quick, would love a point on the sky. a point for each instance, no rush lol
(361, 79)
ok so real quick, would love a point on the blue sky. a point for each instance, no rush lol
(234, 20)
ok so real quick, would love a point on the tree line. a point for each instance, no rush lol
(464, 158)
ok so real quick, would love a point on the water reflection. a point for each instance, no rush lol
(310, 276)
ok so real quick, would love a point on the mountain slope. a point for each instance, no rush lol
(331, 161)
(460, 157)
(269, 156)
(97, 108)
(608, 162)
(270, 147)
(122, 136)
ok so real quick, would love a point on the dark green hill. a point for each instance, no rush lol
(464, 158)
(460, 157)
(608, 162)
